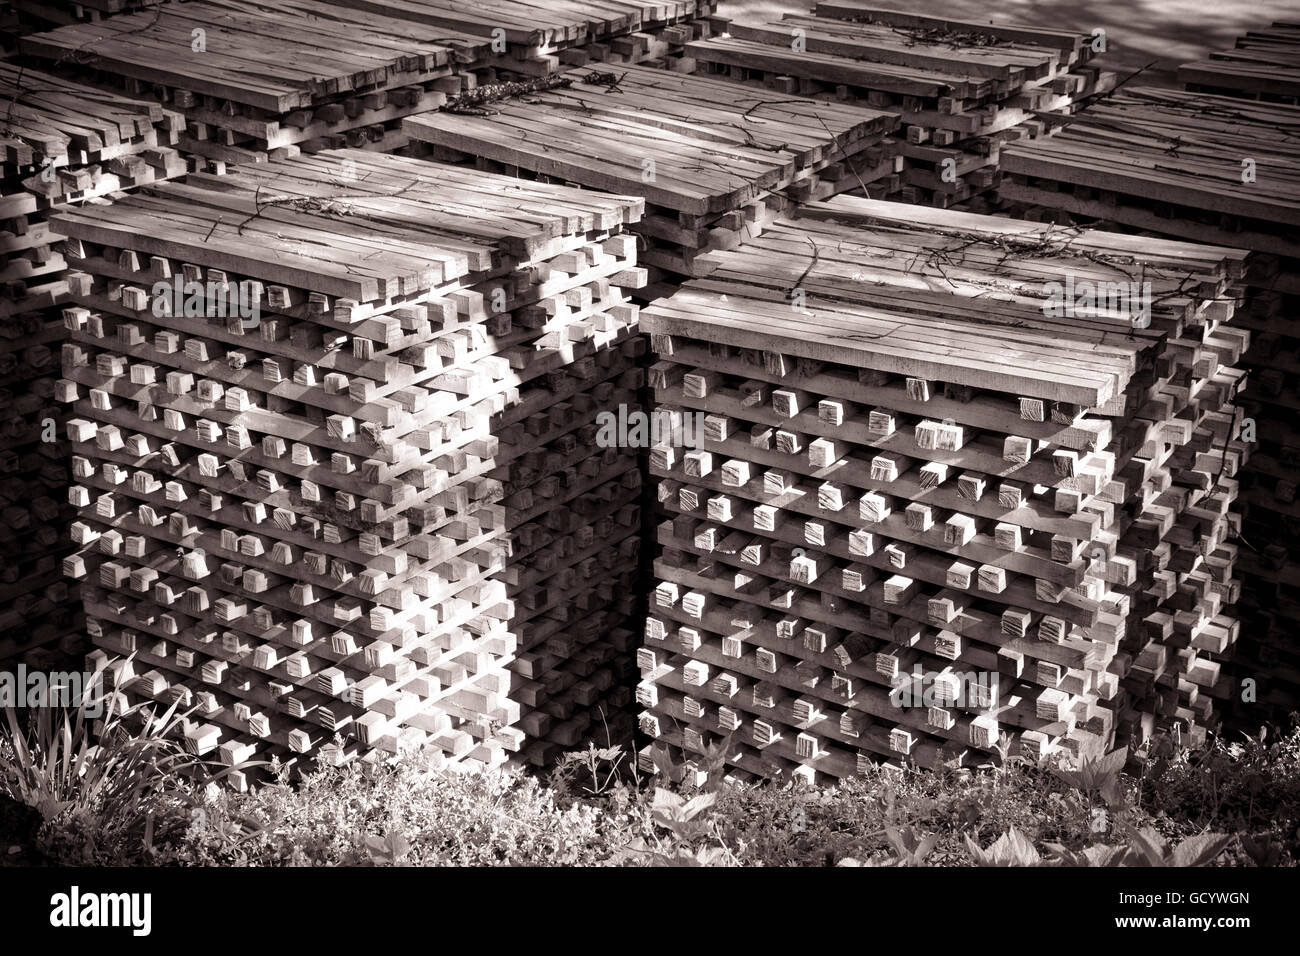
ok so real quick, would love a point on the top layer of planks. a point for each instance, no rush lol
(348, 223)
(921, 27)
(536, 26)
(953, 297)
(282, 55)
(1264, 64)
(687, 143)
(275, 55)
(891, 52)
(1185, 150)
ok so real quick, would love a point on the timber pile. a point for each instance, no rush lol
(912, 476)
(63, 144)
(1218, 169)
(1171, 162)
(375, 508)
(713, 162)
(386, 59)
(962, 89)
(195, 58)
(540, 36)
(1264, 65)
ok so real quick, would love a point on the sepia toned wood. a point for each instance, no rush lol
(378, 507)
(1185, 164)
(63, 144)
(262, 80)
(1262, 65)
(713, 163)
(962, 91)
(857, 521)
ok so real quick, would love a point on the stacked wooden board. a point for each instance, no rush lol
(1217, 169)
(1206, 168)
(264, 78)
(713, 162)
(62, 144)
(911, 477)
(1264, 65)
(374, 507)
(541, 34)
(962, 89)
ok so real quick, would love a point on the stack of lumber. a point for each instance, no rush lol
(259, 79)
(1264, 65)
(911, 470)
(1208, 168)
(267, 78)
(540, 36)
(1217, 169)
(375, 507)
(962, 89)
(713, 162)
(63, 143)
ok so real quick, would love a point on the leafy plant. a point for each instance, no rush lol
(1249, 786)
(1149, 848)
(595, 769)
(411, 812)
(678, 815)
(110, 788)
(687, 824)
(1146, 848)
(1013, 848)
(387, 850)
(715, 764)
(1262, 852)
(1100, 775)
(911, 849)
(1096, 855)
(415, 811)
